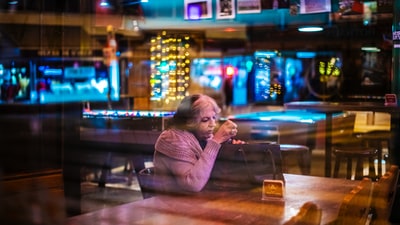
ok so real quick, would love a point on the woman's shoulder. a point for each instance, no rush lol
(178, 144)
(176, 134)
(177, 139)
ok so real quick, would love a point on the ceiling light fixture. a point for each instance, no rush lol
(370, 49)
(306, 55)
(310, 29)
(133, 2)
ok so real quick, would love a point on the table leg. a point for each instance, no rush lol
(379, 144)
(394, 158)
(328, 144)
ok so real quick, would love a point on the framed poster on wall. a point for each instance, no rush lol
(248, 6)
(315, 6)
(198, 9)
(225, 9)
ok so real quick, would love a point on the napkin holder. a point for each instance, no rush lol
(273, 190)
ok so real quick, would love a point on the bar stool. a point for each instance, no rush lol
(358, 153)
(347, 146)
(271, 134)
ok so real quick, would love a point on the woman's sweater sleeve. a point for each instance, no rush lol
(184, 159)
(194, 176)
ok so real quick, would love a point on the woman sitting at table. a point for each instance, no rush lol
(185, 152)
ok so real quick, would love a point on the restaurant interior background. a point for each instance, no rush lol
(56, 50)
(57, 57)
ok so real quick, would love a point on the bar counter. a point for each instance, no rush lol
(228, 207)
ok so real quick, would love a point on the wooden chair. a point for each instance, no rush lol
(309, 214)
(359, 154)
(375, 139)
(347, 146)
(383, 198)
(356, 205)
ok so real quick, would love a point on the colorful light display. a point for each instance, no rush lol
(170, 63)
(124, 113)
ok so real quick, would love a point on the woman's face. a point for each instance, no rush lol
(206, 123)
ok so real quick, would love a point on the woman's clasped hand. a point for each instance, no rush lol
(226, 132)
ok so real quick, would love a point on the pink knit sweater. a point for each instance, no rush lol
(181, 165)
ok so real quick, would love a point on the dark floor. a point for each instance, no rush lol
(94, 197)
(118, 191)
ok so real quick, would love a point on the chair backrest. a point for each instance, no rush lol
(384, 194)
(342, 129)
(146, 182)
(141, 154)
(356, 205)
(309, 214)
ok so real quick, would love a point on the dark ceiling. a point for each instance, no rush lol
(348, 32)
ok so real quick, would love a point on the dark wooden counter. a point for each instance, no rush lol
(38, 139)
(228, 207)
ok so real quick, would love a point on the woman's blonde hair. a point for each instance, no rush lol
(188, 113)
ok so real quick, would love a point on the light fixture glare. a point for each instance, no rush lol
(104, 3)
(370, 49)
(267, 54)
(310, 29)
(306, 55)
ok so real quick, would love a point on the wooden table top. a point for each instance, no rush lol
(228, 207)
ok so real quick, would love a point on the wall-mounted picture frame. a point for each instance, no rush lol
(248, 6)
(226, 9)
(315, 6)
(197, 9)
